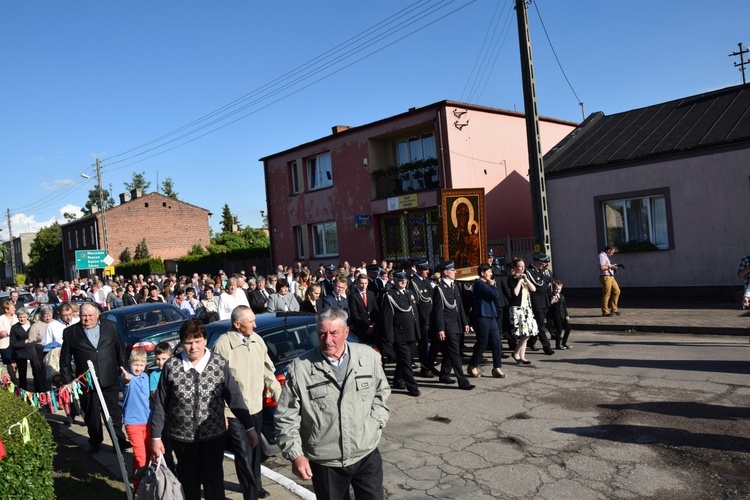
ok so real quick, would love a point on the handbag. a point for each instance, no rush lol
(158, 482)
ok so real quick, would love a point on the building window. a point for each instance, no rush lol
(299, 237)
(295, 177)
(77, 245)
(325, 239)
(415, 148)
(93, 240)
(637, 223)
(70, 241)
(319, 173)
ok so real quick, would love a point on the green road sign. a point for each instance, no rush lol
(91, 259)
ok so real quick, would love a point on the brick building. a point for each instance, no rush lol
(382, 190)
(170, 228)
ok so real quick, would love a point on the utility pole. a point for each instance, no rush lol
(533, 139)
(12, 252)
(102, 203)
(742, 62)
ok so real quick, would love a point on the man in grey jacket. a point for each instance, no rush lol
(338, 390)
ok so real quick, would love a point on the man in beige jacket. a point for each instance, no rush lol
(250, 365)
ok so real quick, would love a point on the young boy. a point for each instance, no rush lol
(162, 353)
(136, 409)
(558, 313)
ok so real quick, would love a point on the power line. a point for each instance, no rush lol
(269, 93)
(365, 40)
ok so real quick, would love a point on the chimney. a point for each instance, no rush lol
(135, 193)
(124, 198)
(339, 128)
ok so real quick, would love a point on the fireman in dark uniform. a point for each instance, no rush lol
(448, 321)
(422, 288)
(401, 329)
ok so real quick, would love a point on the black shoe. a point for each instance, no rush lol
(517, 360)
(506, 356)
(435, 372)
(68, 421)
(424, 372)
(94, 449)
(608, 315)
(558, 347)
(124, 444)
(616, 313)
(548, 351)
(399, 385)
(467, 387)
(415, 393)
(262, 493)
(525, 362)
(447, 380)
(567, 347)
(533, 348)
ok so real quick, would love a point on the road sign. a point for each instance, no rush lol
(109, 271)
(91, 259)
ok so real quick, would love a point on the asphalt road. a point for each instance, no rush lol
(618, 416)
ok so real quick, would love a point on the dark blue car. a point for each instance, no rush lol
(143, 326)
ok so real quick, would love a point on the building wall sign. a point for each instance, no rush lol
(403, 202)
(363, 221)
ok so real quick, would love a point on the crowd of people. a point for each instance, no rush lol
(410, 311)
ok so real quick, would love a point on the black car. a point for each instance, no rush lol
(287, 336)
(143, 326)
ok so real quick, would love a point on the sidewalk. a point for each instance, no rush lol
(280, 487)
(661, 316)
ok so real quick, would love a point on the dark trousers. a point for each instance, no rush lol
(487, 329)
(365, 478)
(246, 459)
(201, 463)
(505, 330)
(423, 345)
(436, 347)
(93, 414)
(560, 324)
(404, 372)
(37, 371)
(452, 358)
(540, 315)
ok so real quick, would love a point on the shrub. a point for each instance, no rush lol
(142, 266)
(26, 469)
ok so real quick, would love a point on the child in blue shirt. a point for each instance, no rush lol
(162, 353)
(136, 409)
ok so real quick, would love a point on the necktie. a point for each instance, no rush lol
(364, 298)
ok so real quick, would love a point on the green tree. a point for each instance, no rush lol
(69, 216)
(167, 188)
(139, 182)
(141, 250)
(197, 250)
(125, 255)
(45, 254)
(94, 200)
(228, 219)
(249, 238)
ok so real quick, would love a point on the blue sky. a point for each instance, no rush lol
(88, 79)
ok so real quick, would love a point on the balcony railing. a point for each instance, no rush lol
(407, 178)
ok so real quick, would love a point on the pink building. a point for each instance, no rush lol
(375, 191)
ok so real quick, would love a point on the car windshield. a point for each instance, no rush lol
(286, 342)
(144, 320)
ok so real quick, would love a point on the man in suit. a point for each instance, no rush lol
(328, 284)
(257, 297)
(363, 310)
(541, 277)
(422, 288)
(90, 340)
(447, 322)
(400, 330)
(373, 271)
(337, 298)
